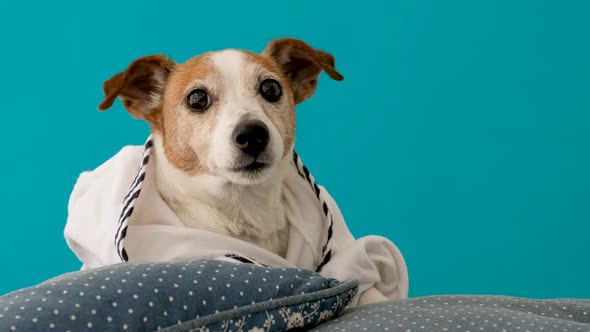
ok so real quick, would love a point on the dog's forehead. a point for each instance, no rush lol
(232, 61)
(228, 64)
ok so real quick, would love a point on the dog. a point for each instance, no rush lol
(223, 128)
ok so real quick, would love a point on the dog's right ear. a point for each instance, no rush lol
(140, 87)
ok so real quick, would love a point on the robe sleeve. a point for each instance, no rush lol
(372, 260)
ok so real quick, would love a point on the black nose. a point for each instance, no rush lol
(251, 137)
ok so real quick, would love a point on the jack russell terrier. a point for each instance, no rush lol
(219, 176)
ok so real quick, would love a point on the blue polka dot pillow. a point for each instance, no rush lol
(177, 296)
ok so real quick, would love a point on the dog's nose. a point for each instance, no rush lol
(251, 137)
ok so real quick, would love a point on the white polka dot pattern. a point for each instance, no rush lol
(148, 296)
(465, 313)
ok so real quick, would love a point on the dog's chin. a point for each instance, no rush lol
(248, 174)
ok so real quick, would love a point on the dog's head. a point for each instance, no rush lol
(229, 113)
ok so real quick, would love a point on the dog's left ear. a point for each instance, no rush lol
(301, 64)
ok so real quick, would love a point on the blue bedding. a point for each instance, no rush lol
(465, 313)
(224, 296)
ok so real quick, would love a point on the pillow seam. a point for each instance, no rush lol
(263, 306)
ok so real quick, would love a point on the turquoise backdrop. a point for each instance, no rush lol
(461, 131)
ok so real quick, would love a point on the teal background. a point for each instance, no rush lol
(461, 131)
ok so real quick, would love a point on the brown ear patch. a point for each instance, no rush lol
(328, 64)
(140, 86)
(301, 64)
(111, 89)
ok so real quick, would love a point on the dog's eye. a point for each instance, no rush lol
(198, 100)
(271, 90)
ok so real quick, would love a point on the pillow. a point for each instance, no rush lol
(460, 313)
(177, 296)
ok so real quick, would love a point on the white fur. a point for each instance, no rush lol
(253, 213)
(240, 105)
(226, 201)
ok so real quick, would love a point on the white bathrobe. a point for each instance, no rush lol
(116, 214)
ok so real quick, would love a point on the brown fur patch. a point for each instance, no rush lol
(178, 126)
